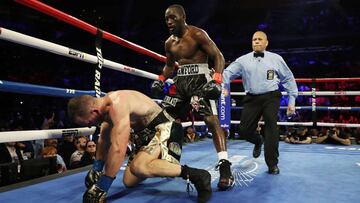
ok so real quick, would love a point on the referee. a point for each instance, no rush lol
(262, 73)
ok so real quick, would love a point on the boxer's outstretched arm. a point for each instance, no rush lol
(103, 144)
(120, 134)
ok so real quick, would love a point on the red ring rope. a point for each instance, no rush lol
(43, 8)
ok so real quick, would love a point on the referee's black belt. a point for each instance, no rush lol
(251, 94)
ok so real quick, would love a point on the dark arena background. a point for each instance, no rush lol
(318, 39)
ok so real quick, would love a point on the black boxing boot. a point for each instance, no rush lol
(201, 179)
(226, 180)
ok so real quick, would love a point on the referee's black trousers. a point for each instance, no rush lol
(266, 105)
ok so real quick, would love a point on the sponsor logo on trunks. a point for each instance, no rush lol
(175, 147)
(76, 53)
(190, 69)
(171, 100)
(74, 132)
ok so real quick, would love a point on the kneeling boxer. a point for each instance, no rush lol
(158, 141)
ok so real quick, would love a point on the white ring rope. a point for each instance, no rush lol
(26, 135)
(19, 38)
(348, 125)
(318, 93)
(196, 123)
(282, 123)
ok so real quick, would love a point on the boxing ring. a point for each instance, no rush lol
(309, 173)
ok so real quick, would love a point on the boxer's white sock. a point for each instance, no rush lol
(223, 155)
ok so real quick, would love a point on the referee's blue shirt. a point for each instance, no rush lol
(262, 74)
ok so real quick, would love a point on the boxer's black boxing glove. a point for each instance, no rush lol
(157, 87)
(92, 177)
(211, 90)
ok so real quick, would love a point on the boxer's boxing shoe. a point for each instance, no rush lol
(226, 180)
